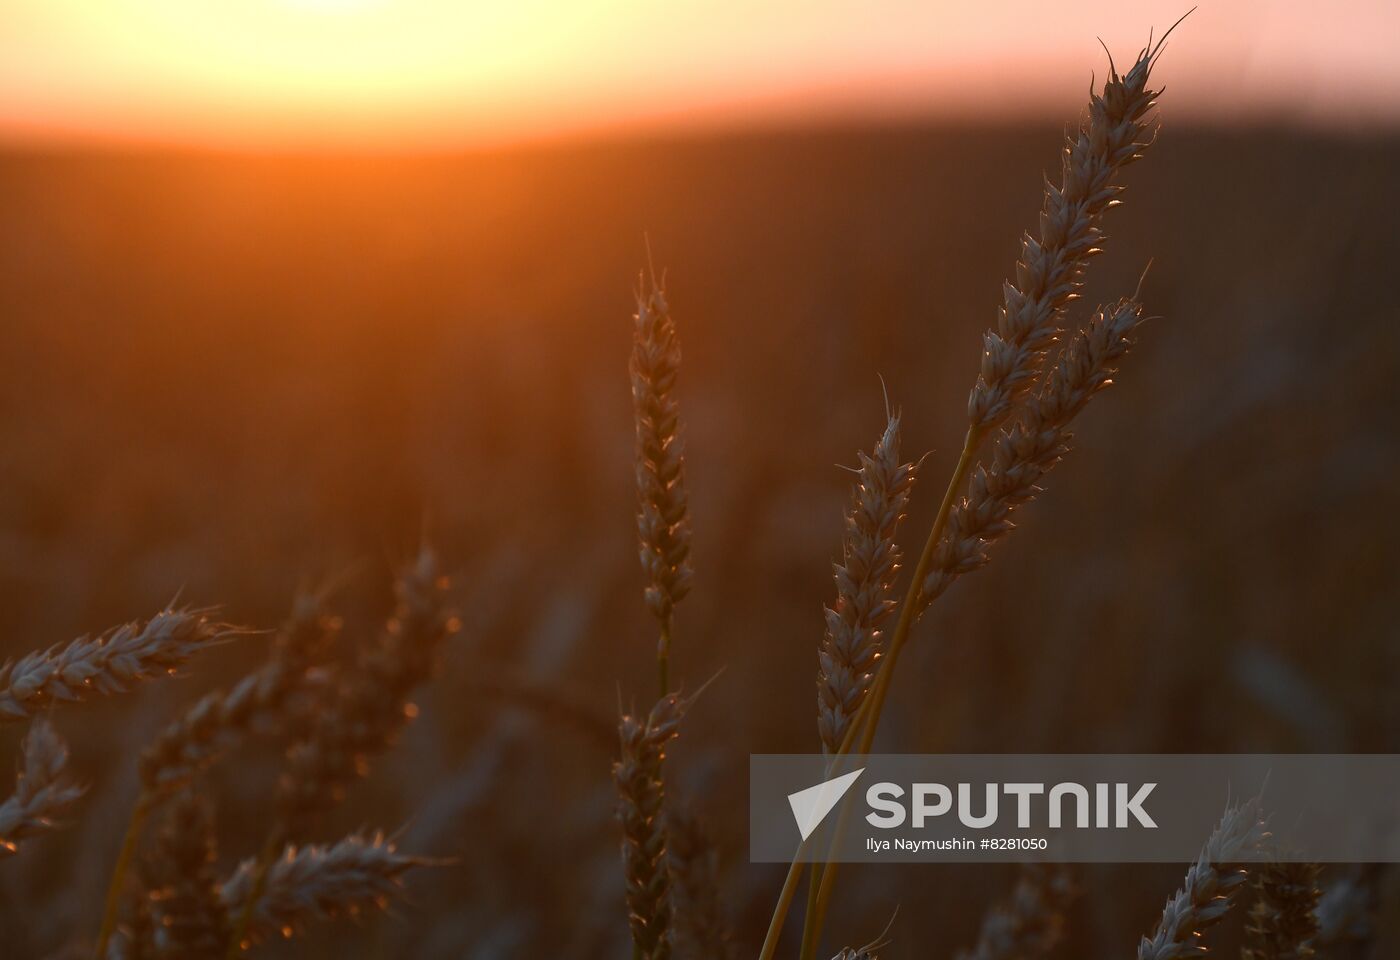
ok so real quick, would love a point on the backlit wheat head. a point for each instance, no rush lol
(864, 584)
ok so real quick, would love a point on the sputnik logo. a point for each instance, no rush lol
(810, 806)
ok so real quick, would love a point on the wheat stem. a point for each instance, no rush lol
(869, 720)
(112, 905)
(663, 655)
(261, 866)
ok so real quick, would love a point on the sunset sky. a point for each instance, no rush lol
(425, 74)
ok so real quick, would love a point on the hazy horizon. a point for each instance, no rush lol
(414, 75)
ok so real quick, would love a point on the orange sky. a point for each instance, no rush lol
(416, 74)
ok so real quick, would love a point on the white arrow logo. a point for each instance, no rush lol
(810, 806)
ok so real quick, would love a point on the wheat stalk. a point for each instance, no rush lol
(1030, 922)
(43, 790)
(1048, 277)
(110, 663)
(311, 883)
(865, 577)
(189, 919)
(663, 520)
(1028, 449)
(220, 719)
(1283, 922)
(641, 791)
(700, 926)
(134, 936)
(1210, 886)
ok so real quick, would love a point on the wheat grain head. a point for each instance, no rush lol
(110, 663)
(1210, 886)
(43, 790)
(641, 792)
(1029, 448)
(663, 519)
(1051, 268)
(311, 883)
(850, 650)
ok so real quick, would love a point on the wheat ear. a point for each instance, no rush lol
(1028, 449)
(663, 520)
(1051, 268)
(222, 718)
(1031, 922)
(43, 790)
(700, 926)
(372, 704)
(1210, 886)
(1283, 921)
(867, 952)
(110, 663)
(1048, 277)
(311, 883)
(369, 710)
(641, 791)
(190, 922)
(210, 727)
(849, 652)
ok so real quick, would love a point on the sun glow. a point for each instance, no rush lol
(421, 73)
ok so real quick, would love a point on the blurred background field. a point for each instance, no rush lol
(224, 376)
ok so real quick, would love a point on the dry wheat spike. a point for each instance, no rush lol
(1210, 886)
(43, 790)
(1030, 447)
(641, 792)
(262, 698)
(850, 650)
(1051, 269)
(663, 519)
(311, 883)
(372, 704)
(110, 663)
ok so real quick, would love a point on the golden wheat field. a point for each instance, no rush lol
(322, 624)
